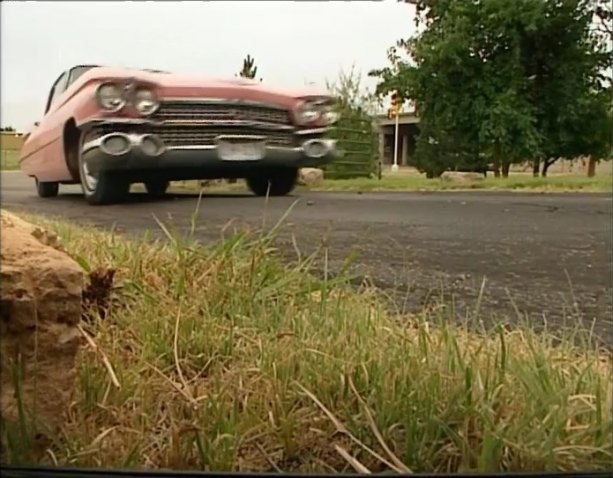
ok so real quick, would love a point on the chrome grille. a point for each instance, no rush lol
(186, 111)
(180, 135)
(186, 136)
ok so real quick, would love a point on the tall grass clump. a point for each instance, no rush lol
(221, 357)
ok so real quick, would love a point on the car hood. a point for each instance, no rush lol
(171, 85)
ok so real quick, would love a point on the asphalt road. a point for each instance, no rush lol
(544, 257)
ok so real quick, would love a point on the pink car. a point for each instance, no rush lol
(107, 128)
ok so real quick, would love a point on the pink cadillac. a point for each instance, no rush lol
(107, 128)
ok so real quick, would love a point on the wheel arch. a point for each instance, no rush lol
(71, 138)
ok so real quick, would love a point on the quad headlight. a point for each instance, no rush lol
(308, 112)
(145, 101)
(113, 97)
(319, 110)
(110, 97)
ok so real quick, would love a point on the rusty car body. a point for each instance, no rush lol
(107, 128)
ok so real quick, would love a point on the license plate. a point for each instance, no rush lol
(241, 151)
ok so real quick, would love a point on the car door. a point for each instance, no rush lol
(42, 154)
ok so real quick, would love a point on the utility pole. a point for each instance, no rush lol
(395, 110)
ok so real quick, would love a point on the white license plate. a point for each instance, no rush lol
(241, 151)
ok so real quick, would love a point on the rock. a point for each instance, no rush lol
(41, 308)
(310, 176)
(462, 176)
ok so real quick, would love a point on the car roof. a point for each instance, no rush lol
(150, 70)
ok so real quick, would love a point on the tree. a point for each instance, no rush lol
(355, 130)
(505, 80)
(8, 128)
(249, 69)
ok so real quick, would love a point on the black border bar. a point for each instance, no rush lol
(57, 472)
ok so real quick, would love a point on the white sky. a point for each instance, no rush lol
(292, 42)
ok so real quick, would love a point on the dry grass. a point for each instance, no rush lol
(9, 160)
(223, 358)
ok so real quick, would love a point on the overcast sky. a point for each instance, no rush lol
(292, 42)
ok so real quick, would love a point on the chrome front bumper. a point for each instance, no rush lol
(143, 153)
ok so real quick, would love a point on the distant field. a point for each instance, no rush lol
(557, 183)
(9, 160)
(410, 180)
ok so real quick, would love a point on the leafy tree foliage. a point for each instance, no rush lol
(355, 131)
(7, 128)
(502, 81)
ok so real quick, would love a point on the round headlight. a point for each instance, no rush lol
(145, 101)
(330, 115)
(110, 97)
(308, 112)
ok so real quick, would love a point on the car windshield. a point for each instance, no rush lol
(78, 71)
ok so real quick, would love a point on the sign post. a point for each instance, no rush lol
(395, 165)
(395, 109)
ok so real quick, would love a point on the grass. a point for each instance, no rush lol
(519, 182)
(226, 358)
(413, 182)
(9, 160)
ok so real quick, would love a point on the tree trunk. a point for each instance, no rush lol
(535, 168)
(546, 165)
(591, 167)
(496, 168)
(505, 169)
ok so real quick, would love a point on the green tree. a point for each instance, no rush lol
(356, 128)
(504, 80)
(249, 69)
(8, 128)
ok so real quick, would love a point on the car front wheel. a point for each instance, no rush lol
(103, 188)
(279, 182)
(47, 190)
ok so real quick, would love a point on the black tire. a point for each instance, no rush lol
(47, 190)
(282, 181)
(156, 188)
(108, 188)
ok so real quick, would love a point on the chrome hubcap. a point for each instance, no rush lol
(90, 180)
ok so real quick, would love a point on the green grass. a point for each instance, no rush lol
(513, 183)
(9, 160)
(228, 359)
(412, 182)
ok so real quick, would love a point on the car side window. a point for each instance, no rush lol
(58, 88)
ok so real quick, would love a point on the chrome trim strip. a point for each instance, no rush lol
(313, 131)
(203, 147)
(253, 137)
(211, 123)
(215, 100)
(209, 147)
(253, 124)
(111, 121)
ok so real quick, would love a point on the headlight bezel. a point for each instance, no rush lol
(121, 96)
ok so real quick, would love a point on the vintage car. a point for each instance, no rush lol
(107, 128)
